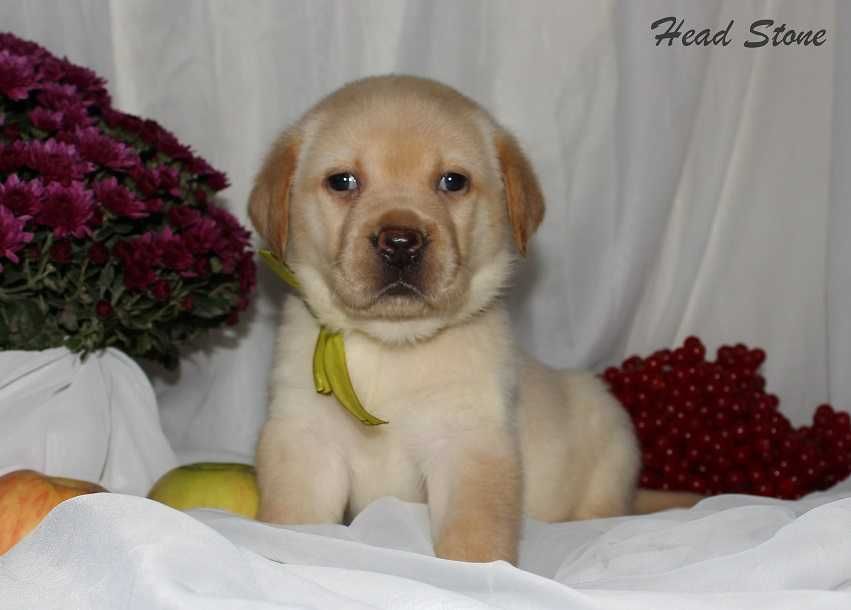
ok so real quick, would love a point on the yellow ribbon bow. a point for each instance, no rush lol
(330, 371)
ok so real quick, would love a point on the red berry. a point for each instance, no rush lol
(763, 448)
(663, 355)
(764, 489)
(736, 481)
(611, 375)
(647, 481)
(739, 434)
(722, 463)
(697, 485)
(823, 416)
(715, 481)
(736, 409)
(693, 455)
(633, 363)
(770, 400)
(642, 429)
(658, 385)
(694, 349)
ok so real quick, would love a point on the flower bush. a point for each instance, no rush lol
(108, 232)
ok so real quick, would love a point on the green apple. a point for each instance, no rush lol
(231, 487)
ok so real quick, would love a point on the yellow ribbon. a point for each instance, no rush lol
(330, 371)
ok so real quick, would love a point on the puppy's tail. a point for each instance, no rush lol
(652, 500)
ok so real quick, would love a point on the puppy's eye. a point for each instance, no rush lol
(342, 182)
(452, 182)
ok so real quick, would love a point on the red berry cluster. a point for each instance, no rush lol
(710, 427)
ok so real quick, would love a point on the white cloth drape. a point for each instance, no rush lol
(110, 551)
(94, 419)
(698, 190)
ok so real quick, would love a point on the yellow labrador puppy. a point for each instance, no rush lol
(402, 206)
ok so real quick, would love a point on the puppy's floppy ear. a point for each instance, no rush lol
(268, 206)
(522, 192)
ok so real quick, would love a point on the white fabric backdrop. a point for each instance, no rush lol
(691, 190)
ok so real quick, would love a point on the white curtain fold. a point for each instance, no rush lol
(838, 297)
(690, 190)
(93, 419)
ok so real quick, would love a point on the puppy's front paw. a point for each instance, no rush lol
(469, 541)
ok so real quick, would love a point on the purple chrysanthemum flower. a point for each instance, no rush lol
(183, 217)
(103, 150)
(122, 120)
(232, 239)
(13, 157)
(46, 120)
(138, 271)
(215, 179)
(156, 136)
(118, 200)
(12, 234)
(229, 224)
(49, 68)
(146, 179)
(138, 258)
(67, 209)
(174, 254)
(56, 161)
(154, 206)
(91, 86)
(76, 115)
(17, 75)
(202, 236)
(150, 246)
(19, 46)
(23, 198)
(56, 96)
(168, 179)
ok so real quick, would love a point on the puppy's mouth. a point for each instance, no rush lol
(400, 288)
(395, 295)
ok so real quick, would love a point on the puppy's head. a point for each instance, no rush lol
(400, 204)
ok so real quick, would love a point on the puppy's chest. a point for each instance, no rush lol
(426, 383)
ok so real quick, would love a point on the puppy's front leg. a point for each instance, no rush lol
(301, 479)
(475, 501)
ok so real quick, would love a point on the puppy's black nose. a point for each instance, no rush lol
(400, 247)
